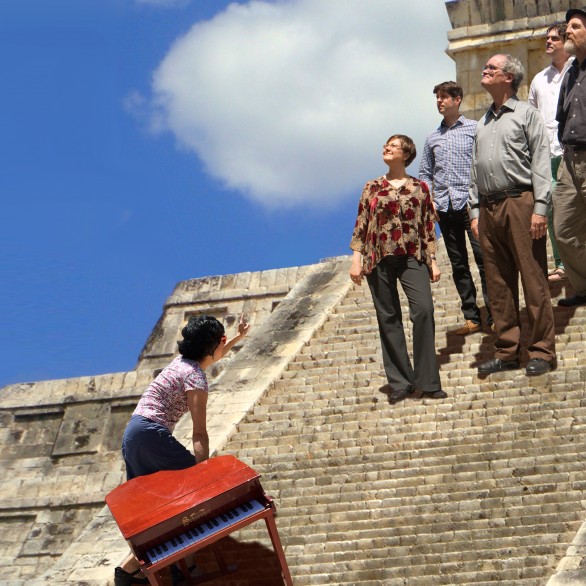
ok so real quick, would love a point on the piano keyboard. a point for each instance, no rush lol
(203, 531)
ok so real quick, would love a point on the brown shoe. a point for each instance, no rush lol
(469, 327)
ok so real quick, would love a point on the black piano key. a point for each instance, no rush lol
(179, 539)
(230, 515)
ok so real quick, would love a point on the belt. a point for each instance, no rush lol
(575, 148)
(499, 195)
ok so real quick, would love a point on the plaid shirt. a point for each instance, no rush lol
(445, 163)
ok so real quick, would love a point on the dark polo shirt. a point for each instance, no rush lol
(571, 112)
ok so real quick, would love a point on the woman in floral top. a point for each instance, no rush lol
(394, 240)
(148, 444)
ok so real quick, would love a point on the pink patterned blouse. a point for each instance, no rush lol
(165, 399)
(394, 222)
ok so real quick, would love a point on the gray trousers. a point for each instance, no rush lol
(414, 278)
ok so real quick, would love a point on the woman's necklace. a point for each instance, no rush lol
(398, 183)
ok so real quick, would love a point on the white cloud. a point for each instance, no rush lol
(290, 102)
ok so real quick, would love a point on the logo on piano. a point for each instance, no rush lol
(191, 518)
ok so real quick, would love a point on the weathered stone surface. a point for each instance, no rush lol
(81, 429)
(482, 29)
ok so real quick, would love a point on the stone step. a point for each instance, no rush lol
(482, 488)
(330, 429)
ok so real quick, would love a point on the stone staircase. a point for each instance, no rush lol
(486, 487)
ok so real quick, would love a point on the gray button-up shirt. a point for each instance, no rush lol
(511, 149)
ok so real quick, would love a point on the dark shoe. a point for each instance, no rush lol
(572, 301)
(438, 394)
(497, 365)
(124, 578)
(396, 396)
(537, 366)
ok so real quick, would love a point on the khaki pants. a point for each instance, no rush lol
(569, 219)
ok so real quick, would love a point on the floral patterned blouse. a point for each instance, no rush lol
(394, 222)
(165, 399)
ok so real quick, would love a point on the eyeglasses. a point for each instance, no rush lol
(491, 67)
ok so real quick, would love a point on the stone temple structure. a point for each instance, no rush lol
(487, 487)
(482, 28)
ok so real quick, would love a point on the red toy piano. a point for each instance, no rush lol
(169, 515)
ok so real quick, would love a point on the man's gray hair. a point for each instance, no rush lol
(514, 66)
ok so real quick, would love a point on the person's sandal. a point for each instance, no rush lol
(557, 274)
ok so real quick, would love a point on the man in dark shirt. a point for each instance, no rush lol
(569, 200)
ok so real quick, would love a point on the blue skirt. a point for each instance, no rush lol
(149, 447)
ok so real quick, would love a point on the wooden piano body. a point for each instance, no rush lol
(169, 515)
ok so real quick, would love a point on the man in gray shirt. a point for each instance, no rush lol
(510, 195)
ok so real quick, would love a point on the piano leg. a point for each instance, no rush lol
(160, 578)
(272, 529)
(220, 559)
(199, 577)
(184, 568)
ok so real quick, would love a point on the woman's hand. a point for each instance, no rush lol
(243, 326)
(356, 272)
(242, 330)
(434, 272)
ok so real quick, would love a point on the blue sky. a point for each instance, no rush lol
(146, 142)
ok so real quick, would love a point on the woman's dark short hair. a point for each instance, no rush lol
(201, 336)
(408, 147)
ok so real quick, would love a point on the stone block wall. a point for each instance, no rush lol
(226, 297)
(482, 29)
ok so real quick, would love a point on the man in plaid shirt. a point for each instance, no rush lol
(445, 167)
